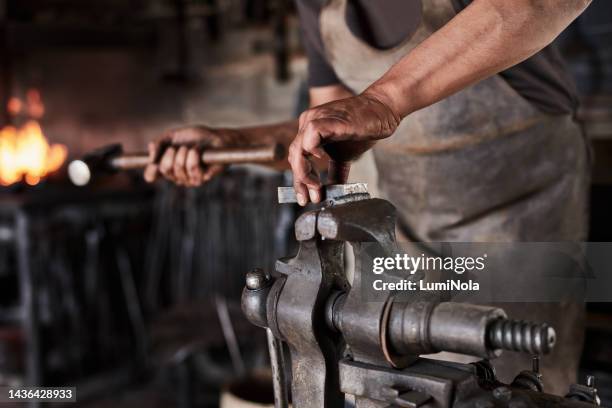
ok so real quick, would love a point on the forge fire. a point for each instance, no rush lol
(25, 153)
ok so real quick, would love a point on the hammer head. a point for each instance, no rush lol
(82, 171)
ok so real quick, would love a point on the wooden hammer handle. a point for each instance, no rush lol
(227, 155)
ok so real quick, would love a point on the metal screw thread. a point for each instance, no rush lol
(519, 335)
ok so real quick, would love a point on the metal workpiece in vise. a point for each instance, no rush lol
(340, 343)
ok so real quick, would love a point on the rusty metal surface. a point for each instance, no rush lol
(314, 347)
(277, 363)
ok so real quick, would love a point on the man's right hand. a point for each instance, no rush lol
(177, 155)
(339, 131)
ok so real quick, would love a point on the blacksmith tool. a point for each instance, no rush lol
(342, 343)
(111, 158)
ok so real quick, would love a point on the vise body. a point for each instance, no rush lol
(341, 344)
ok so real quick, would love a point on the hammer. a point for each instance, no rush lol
(109, 159)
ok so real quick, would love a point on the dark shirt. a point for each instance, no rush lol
(542, 79)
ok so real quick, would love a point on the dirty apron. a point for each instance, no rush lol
(482, 165)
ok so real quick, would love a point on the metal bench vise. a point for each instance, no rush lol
(340, 344)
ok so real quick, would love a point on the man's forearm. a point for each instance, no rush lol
(282, 133)
(285, 132)
(487, 37)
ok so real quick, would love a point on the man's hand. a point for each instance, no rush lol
(176, 155)
(339, 131)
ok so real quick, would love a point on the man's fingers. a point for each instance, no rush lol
(314, 192)
(193, 167)
(180, 172)
(166, 164)
(150, 172)
(182, 165)
(312, 138)
(301, 193)
(306, 180)
(303, 170)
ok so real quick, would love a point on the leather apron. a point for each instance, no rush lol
(482, 165)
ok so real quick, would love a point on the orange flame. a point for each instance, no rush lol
(25, 153)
